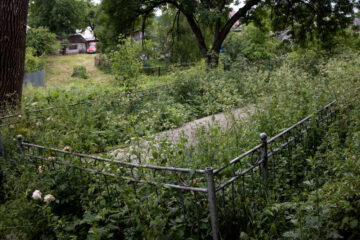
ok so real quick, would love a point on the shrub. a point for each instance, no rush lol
(42, 40)
(80, 71)
(32, 62)
(126, 63)
(253, 43)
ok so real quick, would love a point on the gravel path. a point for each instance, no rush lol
(188, 131)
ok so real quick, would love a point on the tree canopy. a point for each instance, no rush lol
(305, 18)
(61, 17)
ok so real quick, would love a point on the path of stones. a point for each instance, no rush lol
(188, 131)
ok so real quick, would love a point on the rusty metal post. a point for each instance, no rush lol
(264, 159)
(27, 114)
(212, 202)
(19, 138)
(2, 149)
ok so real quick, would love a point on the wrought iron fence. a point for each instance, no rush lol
(254, 175)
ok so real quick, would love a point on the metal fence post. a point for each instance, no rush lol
(27, 114)
(2, 149)
(159, 71)
(21, 146)
(264, 159)
(2, 161)
(212, 202)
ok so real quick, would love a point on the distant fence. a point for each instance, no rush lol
(243, 182)
(103, 62)
(36, 79)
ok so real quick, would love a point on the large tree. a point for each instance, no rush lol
(304, 16)
(91, 15)
(62, 17)
(13, 15)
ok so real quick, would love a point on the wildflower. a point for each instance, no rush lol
(67, 148)
(49, 198)
(195, 180)
(50, 119)
(38, 124)
(19, 116)
(36, 195)
(11, 126)
(41, 169)
(51, 158)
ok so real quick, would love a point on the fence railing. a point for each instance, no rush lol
(34, 114)
(104, 62)
(255, 174)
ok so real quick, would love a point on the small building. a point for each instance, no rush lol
(138, 35)
(77, 44)
(356, 24)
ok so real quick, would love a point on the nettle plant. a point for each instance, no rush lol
(126, 63)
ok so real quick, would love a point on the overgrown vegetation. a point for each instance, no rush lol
(323, 205)
(312, 191)
(32, 62)
(80, 71)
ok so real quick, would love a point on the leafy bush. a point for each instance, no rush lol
(42, 40)
(33, 63)
(126, 60)
(126, 63)
(80, 71)
(253, 43)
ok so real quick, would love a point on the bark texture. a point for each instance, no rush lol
(13, 15)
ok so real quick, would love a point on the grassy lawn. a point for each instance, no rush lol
(60, 68)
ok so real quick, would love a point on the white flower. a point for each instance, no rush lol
(36, 195)
(67, 148)
(49, 119)
(19, 116)
(38, 124)
(41, 169)
(49, 198)
(11, 126)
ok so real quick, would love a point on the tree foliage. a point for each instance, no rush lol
(306, 18)
(42, 40)
(91, 18)
(126, 63)
(62, 17)
(33, 63)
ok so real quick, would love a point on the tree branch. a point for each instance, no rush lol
(189, 17)
(194, 27)
(240, 13)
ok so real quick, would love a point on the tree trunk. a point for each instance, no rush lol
(13, 15)
(212, 59)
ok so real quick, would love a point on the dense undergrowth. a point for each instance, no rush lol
(322, 204)
(108, 122)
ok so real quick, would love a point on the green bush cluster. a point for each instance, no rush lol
(32, 62)
(42, 40)
(80, 71)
